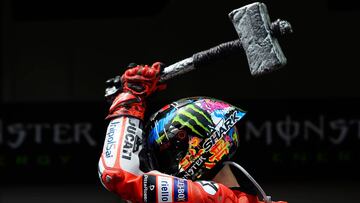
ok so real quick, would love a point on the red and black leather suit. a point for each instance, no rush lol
(119, 163)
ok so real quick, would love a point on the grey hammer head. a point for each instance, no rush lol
(258, 37)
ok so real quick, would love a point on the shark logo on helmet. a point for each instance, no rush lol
(216, 135)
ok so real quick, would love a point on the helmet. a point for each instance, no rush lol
(190, 138)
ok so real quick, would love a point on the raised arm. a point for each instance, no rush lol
(119, 163)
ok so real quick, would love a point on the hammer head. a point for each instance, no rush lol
(253, 25)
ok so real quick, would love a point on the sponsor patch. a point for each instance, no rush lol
(180, 190)
(129, 153)
(149, 188)
(111, 142)
(129, 139)
(209, 187)
(164, 188)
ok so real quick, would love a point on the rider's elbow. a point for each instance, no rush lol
(101, 170)
(109, 178)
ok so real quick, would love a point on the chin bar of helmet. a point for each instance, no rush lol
(267, 199)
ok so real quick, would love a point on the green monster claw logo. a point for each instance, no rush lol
(193, 118)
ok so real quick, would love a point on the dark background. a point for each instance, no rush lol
(300, 138)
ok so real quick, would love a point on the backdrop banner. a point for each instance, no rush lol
(279, 139)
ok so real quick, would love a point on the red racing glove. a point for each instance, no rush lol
(138, 82)
(142, 80)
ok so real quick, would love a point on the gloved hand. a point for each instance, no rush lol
(138, 82)
(142, 80)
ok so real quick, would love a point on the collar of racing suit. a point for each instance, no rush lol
(267, 199)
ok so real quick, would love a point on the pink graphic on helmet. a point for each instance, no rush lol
(213, 105)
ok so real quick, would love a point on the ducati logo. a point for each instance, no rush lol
(129, 141)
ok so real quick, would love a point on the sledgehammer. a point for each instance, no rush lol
(258, 37)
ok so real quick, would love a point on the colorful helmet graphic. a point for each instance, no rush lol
(190, 137)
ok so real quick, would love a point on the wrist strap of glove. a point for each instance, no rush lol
(127, 104)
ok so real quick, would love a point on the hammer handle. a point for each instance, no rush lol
(199, 59)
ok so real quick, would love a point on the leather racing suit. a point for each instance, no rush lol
(119, 165)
